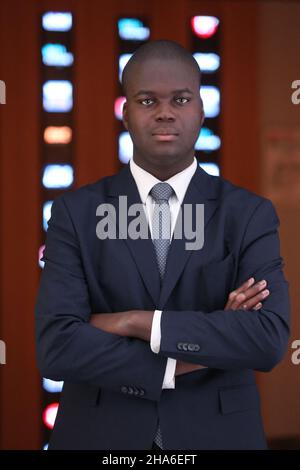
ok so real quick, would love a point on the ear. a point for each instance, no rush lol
(125, 115)
(202, 112)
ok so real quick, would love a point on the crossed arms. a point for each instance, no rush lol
(71, 348)
(138, 323)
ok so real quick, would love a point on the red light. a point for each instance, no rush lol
(119, 102)
(204, 26)
(49, 415)
(41, 254)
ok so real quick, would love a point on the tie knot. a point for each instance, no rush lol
(161, 192)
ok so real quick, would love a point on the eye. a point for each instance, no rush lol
(146, 101)
(182, 100)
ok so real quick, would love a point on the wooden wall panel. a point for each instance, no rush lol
(20, 231)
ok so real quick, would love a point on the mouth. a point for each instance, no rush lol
(164, 135)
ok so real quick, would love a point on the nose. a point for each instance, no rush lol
(164, 113)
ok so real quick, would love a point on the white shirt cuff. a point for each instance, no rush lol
(169, 378)
(156, 332)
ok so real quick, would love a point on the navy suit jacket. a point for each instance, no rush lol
(112, 395)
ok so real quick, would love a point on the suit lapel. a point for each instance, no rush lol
(201, 190)
(142, 250)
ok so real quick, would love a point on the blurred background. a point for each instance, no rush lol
(60, 128)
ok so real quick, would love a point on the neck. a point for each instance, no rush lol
(163, 173)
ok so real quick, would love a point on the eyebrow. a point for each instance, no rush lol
(149, 92)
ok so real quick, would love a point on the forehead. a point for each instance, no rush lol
(158, 74)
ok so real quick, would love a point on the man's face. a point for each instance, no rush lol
(163, 112)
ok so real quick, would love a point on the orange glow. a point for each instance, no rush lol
(58, 135)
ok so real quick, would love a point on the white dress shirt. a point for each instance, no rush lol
(145, 182)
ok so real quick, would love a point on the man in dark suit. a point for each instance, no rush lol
(157, 342)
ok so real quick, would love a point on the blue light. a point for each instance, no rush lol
(125, 147)
(208, 62)
(58, 176)
(211, 101)
(207, 140)
(211, 168)
(123, 59)
(56, 55)
(57, 21)
(57, 96)
(52, 386)
(46, 213)
(45, 447)
(133, 29)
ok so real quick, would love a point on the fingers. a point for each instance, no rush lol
(242, 288)
(257, 306)
(248, 296)
(254, 301)
(255, 293)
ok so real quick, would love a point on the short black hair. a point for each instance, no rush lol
(159, 49)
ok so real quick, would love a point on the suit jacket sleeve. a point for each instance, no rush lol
(242, 339)
(68, 347)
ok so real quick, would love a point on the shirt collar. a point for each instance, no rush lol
(145, 180)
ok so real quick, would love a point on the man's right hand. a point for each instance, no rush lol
(248, 296)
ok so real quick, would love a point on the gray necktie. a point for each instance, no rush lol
(161, 233)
